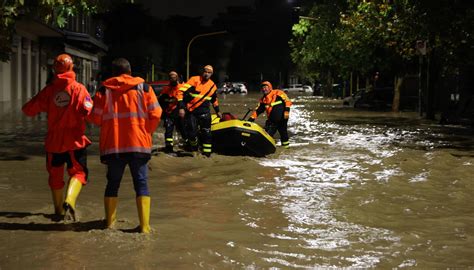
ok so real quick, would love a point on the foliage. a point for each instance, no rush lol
(53, 12)
(449, 27)
(316, 44)
(381, 34)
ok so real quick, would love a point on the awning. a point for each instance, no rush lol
(86, 38)
(35, 29)
(80, 53)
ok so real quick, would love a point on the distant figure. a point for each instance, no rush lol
(200, 92)
(171, 100)
(67, 104)
(127, 111)
(92, 86)
(277, 105)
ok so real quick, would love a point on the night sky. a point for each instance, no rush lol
(207, 9)
(255, 48)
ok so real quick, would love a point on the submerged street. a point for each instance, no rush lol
(356, 189)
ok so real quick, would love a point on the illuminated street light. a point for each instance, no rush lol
(189, 46)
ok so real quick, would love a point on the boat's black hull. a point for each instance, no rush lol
(241, 138)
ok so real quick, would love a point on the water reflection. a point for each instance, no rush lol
(329, 157)
(356, 189)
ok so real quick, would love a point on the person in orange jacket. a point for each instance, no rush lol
(171, 100)
(67, 104)
(127, 111)
(200, 92)
(277, 106)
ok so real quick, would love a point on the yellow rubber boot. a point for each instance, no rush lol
(58, 201)
(110, 204)
(143, 206)
(72, 193)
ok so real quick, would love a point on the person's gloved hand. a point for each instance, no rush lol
(251, 119)
(219, 115)
(286, 115)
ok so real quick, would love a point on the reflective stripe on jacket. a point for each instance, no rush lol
(200, 93)
(267, 102)
(127, 113)
(67, 104)
(173, 97)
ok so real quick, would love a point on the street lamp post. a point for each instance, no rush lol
(308, 18)
(189, 46)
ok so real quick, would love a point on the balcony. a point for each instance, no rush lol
(85, 32)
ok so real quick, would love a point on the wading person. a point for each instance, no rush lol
(200, 92)
(67, 104)
(171, 101)
(277, 106)
(127, 112)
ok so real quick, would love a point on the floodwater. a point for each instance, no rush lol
(357, 189)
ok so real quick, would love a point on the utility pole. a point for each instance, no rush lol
(421, 50)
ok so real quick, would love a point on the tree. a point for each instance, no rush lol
(366, 35)
(386, 32)
(449, 31)
(316, 48)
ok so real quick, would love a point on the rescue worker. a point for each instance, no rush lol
(171, 100)
(200, 92)
(67, 103)
(127, 111)
(277, 106)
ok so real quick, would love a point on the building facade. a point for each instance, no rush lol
(34, 47)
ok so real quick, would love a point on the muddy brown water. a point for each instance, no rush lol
(357, 189)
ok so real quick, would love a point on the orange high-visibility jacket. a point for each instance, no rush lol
(200, 93)
(173, 98)
(128, 113)
(67, 104)
(272, 99)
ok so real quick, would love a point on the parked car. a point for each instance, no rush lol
(299, 88)
(293, 88)
(158, 86)
(307, 89)
(233, 88)
(240, 87)
(378, 98)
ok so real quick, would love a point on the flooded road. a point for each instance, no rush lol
(356, 189)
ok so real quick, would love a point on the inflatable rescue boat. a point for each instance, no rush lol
(240, 138)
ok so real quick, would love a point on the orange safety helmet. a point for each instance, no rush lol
(62, 63)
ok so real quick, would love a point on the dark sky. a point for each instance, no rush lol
(192, 8)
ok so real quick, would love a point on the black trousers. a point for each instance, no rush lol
(282, 127)
(199, 124)
(171, 121)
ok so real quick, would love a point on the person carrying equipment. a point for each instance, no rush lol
(127, 111)
(199, 93)
(67, 104)
(171, 100)
(277, 106)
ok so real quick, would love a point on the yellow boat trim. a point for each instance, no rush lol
(241, 124)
